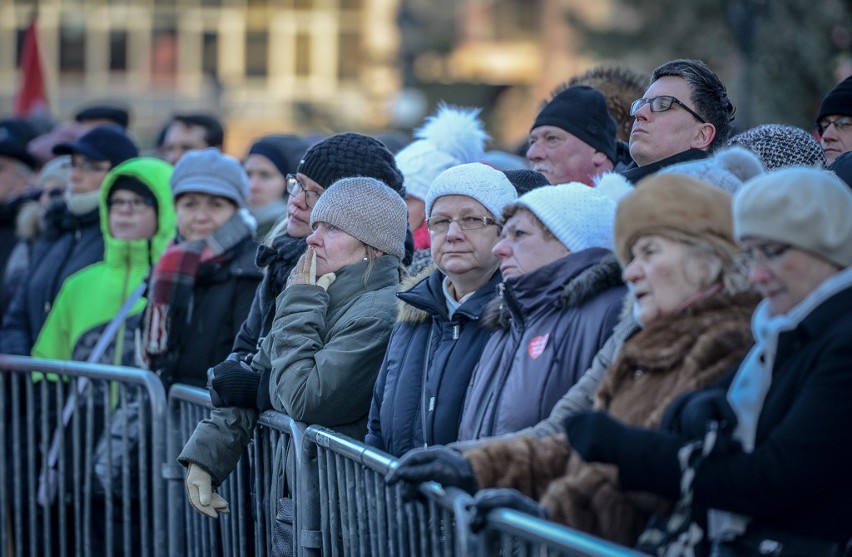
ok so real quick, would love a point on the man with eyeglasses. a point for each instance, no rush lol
(834, 121)
(72, 239)
(684, 114)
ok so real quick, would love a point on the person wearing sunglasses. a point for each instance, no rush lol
(834, 121)
(684, 114)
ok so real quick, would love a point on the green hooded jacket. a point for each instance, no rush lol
(91, 298)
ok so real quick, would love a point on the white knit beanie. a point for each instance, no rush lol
(579, 216)
(366, 209)
(801, 206)
(476, 180)
(451, 136)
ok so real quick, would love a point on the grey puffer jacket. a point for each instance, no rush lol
(550, 324)
(324, 350)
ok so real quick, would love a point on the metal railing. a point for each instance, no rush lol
(341, 504)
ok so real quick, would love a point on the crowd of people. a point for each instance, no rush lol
(646, 321)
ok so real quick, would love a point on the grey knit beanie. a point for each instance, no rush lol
(366, 209)
(727, 169)
(212, 172)
(804, 207)
(780, 145)
(481, 182)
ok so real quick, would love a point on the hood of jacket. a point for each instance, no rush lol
(155, 174)
(586, 274)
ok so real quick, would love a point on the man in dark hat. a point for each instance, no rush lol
(834, 121)
(103, 114)
(573, 137)
(72, 238)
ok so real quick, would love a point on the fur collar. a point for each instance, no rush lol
(587, 284)
(405, 312)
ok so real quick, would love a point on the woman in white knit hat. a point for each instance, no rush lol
(562, 294)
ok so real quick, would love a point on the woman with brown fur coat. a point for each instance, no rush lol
(674, 238)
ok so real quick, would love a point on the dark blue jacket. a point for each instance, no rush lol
(420, 391)
(68, 244)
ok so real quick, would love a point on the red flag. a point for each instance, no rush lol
(32, 98)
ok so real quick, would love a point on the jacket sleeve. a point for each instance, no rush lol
(319, 376)
(245, 342)
(374, 422)
(14, 336)
(218, 441)
(524, 463)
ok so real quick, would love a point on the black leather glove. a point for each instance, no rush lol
(263, 401)
(437, 463)
(487, 500)
(234, 384)
(595, 436)
(705, 407)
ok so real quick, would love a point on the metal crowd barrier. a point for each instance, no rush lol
(72, 483)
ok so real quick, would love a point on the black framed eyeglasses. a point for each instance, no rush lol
(662, 104)
(841, 124)
(294, 187)
(441, 224)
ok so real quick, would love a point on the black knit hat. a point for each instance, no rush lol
(837, 101)
(526, 180)
(283, 151)
(351, 154)
(581, 111)
(137, 186)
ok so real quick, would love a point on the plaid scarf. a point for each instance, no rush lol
(172, 282)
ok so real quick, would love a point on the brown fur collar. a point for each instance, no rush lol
(406, 313)
(601, 276)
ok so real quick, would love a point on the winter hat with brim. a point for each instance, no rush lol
(779, 145)
(577, 215)
(674, 202)
(211, 172)
(450, 137)
(351, 154)
(805, 207)
(727, 169)
(488, 186)
(366, 209)
(103, 143)
(582, 112)
(838, 101)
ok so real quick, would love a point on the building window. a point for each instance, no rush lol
(257, 49)
(72, 49)
(303, 54)
(348, 55)
(210, 53)
(350, 4)
(118, 51)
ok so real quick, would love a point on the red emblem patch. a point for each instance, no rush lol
(537, 345)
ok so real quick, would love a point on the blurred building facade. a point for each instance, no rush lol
(298, 65)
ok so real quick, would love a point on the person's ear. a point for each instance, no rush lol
(704, 137)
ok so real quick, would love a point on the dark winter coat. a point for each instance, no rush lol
(221, 299)
(634, 173)
(550, 324)
(796, 480)
(671, 355)
(420, 391)
(278, 260)
(69, 243)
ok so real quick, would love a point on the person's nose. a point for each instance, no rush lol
(502, 249)
(314, 239)
(454, 231)
(632, 272)
(534, 152)
(758, 273)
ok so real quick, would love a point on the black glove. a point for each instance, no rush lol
(595, 436)
(705, 407)
(487, 500)
(234, 384)
(263, 401)
(437, 463)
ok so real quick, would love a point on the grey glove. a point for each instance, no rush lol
(437, 463)
(487, 500)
